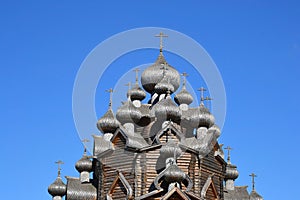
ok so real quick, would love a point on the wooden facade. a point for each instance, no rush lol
(140, 168)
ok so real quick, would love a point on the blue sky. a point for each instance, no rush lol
(255, 44)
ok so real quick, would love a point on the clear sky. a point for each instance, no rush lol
(255, 44)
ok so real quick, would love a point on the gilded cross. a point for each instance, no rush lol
(59, 163)
(110, 90)
(202, 90)
(228, 148)
(161, 35)
(253, 181)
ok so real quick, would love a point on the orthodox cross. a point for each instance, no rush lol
(110, 90)
(85, 141)
(228, 148)
(59, 163)
(184, 74)
(253, 181)
(136, 75)
(207, 99)
(202, 90)
(161, 35)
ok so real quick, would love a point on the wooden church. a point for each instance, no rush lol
(162, 149)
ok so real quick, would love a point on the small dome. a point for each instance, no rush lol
(174, 174)
(154, 74)
(128, 113)
(108, 123)
(57, 188)
(197, 117)
(136, 93)
(183, 97)
(206, 118)
(170, 150)
(163, 86)
(190, 118)
(84, 164)
(255, 196)
(166, 110)
(231, 172)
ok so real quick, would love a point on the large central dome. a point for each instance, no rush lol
(155, 73)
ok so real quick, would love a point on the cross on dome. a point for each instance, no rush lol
(161, 35)
(85, 141)
(253, 180)
(136, 75)
(228, 148)
(202, 90)
(59, 163)
(207, 99)
(110, 91)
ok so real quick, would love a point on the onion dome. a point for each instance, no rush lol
(255, 196)
(170, 150)
(154, 74)
(231, 172)
(166, 110)
(108, 123)
(206, 118)
(163, 86)
(190, 118)
(198, 117)
(84, 164)
(127, 113)
(57, 188)
(136, 93)
(174, 174)
(183, 97)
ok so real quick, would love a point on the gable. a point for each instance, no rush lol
(120, 188)
(174, 194)
(168, 133)
(209, 191)
(119, 140)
